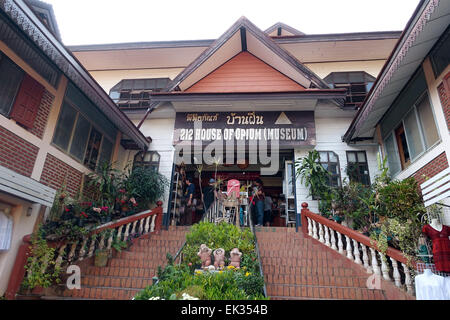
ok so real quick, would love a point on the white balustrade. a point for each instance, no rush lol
(359, 254)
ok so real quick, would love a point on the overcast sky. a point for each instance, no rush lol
(112, 21)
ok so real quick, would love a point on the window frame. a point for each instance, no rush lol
(4, 57)
(404, 165)
(67, 152)
(147, 164)
(338, 168)
(358, 164)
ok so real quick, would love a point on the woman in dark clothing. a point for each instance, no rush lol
(258, 197)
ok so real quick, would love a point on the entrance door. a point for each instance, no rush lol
(289, 192)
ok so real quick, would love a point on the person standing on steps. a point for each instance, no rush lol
(190, 206)
(258, 196)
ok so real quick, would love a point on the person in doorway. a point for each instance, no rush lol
(190, 207)
(268, 210)
(258, 196)
(209, 194)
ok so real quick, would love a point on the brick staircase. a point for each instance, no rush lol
(129, 271)
(298, 267)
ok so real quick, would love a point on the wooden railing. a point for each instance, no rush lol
(71, 252)
(358, 248)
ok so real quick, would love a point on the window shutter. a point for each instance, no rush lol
(27, 102)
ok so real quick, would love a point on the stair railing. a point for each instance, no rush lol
(359, 248)
(67, 253)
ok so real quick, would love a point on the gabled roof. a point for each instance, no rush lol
(429, 21)
(280, 29)
(245, 73)
(245, 36)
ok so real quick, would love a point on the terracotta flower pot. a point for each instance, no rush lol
(101, 258)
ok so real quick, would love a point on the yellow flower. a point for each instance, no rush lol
(230, 267)
(247, 274)
(220, 271)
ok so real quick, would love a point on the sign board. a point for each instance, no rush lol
(289, 128)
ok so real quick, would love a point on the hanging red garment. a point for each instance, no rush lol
(441, 246)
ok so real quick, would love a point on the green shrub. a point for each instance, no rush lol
(223, 235)
(245, 283)
(146, 185)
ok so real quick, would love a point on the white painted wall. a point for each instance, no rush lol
(161, 132)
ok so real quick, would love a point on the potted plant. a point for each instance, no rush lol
(101, 257)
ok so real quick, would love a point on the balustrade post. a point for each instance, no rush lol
(119, 234)
(133, 229)
(321, 239)
(348, 247)
(327, 236)
(59, 260)
(72, 251)
(110, 239)
(356, 252)
(83, 249)
(309, 227)
(147, 224)
(152, 226)
(333, 240)
(375, 266)
(340, 244)
(408, 280)
(384, 267)
(315, 230)
(126, 234)
(396, 273)
(366, 259)
(92, 246)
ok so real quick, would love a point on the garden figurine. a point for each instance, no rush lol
(219, 258)
(205, 255)
(235, 258)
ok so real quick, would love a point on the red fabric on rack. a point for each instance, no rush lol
(441, 246)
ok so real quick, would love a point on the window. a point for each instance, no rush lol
(357, 83)
(330, 161)
(149, 159)
(135, 93)
(357, 167)
(439, 55)
(76, 135)
(416, 133)
(10, 78)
